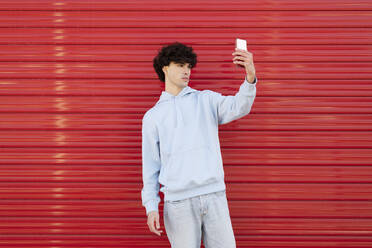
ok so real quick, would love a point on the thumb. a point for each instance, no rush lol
(157, 222)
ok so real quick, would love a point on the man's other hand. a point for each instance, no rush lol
(154, 223)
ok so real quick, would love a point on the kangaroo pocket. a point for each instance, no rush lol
(193, 167)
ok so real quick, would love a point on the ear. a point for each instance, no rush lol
(164, 69)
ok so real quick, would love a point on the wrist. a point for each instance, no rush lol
(250, 78)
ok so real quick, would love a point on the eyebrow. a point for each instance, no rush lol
(178, 63)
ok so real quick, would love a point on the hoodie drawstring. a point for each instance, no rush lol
(179, 119)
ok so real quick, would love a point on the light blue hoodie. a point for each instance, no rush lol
(180, 143)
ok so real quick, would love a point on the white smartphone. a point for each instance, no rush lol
(241, 44)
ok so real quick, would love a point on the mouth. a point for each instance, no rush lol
(185, 78)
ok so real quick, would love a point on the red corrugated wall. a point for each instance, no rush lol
(76, 78)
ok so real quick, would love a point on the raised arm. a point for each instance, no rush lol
(232, 107)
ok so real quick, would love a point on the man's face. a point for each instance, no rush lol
(177, 74)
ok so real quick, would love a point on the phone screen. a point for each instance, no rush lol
(241, 44)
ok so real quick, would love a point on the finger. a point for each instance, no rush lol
(157, 232)
(241, 58)
(158, 226)
(246, 56)
(151, 225)
(238, 62)
(237, 52)
(157, 222)
(241, 52)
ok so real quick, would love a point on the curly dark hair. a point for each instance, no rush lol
(175, 52)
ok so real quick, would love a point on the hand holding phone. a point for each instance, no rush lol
(243, 58)
(240, 44)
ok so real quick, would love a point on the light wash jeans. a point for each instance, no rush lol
(205, 217)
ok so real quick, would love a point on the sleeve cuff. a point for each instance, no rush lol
(152, 206)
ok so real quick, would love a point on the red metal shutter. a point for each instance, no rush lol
(76, 78)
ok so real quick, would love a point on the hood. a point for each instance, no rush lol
(165, 96)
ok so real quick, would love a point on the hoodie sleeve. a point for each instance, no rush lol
(150, 165)
(232, 107)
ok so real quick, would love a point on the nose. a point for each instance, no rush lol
(186, 70)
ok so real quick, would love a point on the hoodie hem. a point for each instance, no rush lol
(187, 193)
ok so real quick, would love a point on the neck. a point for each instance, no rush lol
(172, 89)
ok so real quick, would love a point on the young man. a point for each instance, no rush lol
(181, 151)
